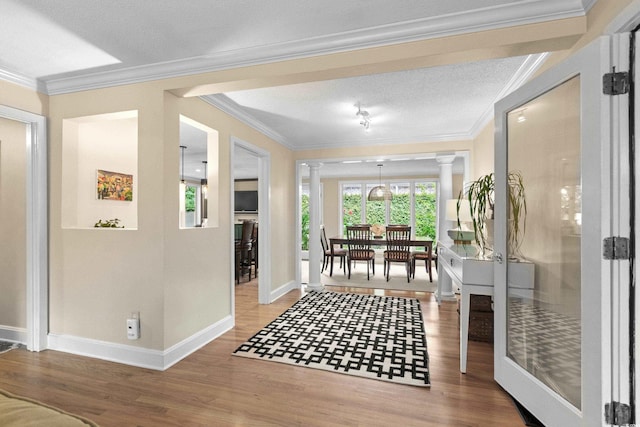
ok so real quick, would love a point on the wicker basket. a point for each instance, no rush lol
(480, 303)
(481, 326)
(480, 318)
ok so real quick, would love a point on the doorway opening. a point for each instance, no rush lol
(253, 164)
(37, 309)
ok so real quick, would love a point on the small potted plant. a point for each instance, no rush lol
(108, 223)
(481, 197)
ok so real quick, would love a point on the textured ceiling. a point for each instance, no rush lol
(60, 46)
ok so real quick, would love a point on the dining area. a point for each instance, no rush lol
(398, 254)
(246, 250)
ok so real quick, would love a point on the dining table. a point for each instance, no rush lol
(377, 241)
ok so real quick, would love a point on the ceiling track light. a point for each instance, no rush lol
(363, 116)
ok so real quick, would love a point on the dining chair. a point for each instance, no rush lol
(398, 248)
(359, 247)
(326, 249)
(423, 256)
(246, 246)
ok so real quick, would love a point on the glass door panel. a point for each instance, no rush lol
(351, 206)
(426, 208)
(375, 210)
(551, 306)
(400, 206)
(544, 324)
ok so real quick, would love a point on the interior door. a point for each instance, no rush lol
(550, 341)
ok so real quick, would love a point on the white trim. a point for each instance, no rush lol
(22, 80)
(526, 70)
(37, 276)
(11, 333)
(264, 219)
(284, 289)
(139, 356)
(230, 107)
(465, 22)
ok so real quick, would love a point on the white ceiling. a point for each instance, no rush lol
(60, 46)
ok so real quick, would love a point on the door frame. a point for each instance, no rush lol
(37, 292)
(264, 219)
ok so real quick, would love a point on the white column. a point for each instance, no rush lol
(315, 247)
(445, 288)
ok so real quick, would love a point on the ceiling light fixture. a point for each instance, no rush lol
(380, 192)
(363, 116)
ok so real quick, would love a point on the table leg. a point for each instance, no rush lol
(464, 327)
(429, 260)
(331, 268)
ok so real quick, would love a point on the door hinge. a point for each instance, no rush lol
(615, 248)
(617, 414)
(615, 83)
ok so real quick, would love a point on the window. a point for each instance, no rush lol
(304, 214)
(351, 205)
(414, 203)
(426, 207)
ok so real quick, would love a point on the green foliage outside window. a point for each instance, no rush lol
(426, 209)
(351, 208)
(190, 199)
(375, 212)
(400, 210)
(305, 222)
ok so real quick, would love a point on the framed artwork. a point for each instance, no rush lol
(114, 186)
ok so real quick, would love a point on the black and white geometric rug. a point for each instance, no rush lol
(364, 335)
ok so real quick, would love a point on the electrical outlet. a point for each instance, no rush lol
(133, 327)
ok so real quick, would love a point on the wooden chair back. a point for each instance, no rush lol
(359, 245)
(398, 242)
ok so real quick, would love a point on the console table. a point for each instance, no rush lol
(473, 275)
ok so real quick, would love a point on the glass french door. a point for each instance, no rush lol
(553, 329)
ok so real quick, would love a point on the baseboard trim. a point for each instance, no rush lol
(13, 334)
(136, 356)
(282, 290)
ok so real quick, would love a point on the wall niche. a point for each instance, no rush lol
(100, 170)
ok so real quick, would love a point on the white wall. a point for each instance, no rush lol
(12, 224)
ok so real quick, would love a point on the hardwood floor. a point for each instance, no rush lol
(213, 388)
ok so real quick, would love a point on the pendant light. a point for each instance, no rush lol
(183, 190)
(203, 181)
(380, 192)
(182, 148)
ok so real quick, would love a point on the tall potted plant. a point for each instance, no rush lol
(481, 196)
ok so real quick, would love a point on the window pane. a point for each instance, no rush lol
(190, 206)
(401, 204)
(376, 211)
(304, 204)
(426, 208)
(351, 205)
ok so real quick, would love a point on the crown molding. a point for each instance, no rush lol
(461, 136)
(521, 76)
(230, 107)
(22, 80)
(489, 18)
